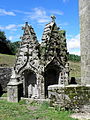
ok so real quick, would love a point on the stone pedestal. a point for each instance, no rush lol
(14, 91)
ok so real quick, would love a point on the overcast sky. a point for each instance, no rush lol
(14, 13)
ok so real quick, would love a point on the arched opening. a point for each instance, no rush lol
(29, 83)
(51, 77)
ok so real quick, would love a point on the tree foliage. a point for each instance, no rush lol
(14, 47)
(2, 36)
(6, 46)
(74, 58)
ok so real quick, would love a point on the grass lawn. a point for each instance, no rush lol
(75, 69)
(33, 111)
(7, 60)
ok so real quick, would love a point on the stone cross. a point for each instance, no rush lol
(53, 18)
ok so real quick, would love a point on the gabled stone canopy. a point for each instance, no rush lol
(38, 64)
(27, 56)
(53, 44)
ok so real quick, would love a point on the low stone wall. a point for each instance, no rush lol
(73, 97)
(5, 74)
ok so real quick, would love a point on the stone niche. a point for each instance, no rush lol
(29, 83)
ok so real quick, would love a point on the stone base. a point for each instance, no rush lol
(39, 101)
(14, 91)
(73, 97)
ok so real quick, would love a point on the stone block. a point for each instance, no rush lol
(14, 91)
(73, 97)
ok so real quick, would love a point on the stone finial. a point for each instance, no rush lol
(53, 18)
(26, 23)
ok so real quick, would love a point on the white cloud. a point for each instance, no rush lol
(73, 44)
(39, 14)
(22, 12)
(11, 27)
(1, 28)
(56, 12)
(4, 12)
(75, 52)
(14, 38)
(42, 20)
(11, 38)
(61, 25)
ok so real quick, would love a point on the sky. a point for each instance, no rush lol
(14, 14)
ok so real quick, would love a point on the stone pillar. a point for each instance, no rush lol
(14, 91)
(30, 90)
(59, 80)
(84, 12)
(42, 91)
(40, 86)
(14, 88)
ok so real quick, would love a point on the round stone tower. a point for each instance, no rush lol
(84, 12)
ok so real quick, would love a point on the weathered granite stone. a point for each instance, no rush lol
(40, 65)
(5, 74)
(14, 91)
(71, 97)
(84, 12)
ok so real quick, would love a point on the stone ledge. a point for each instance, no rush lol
(52, 87)
(39, 101)
(13, 83)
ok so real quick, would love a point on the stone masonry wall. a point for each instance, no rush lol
(73, 97)
(5, 74)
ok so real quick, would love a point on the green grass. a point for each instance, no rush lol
(75, 69)
(7, 60)
(17, 111)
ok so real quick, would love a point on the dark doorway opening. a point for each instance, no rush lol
(29, 81)
(51, 77)
(73, 81)
(1, 90)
